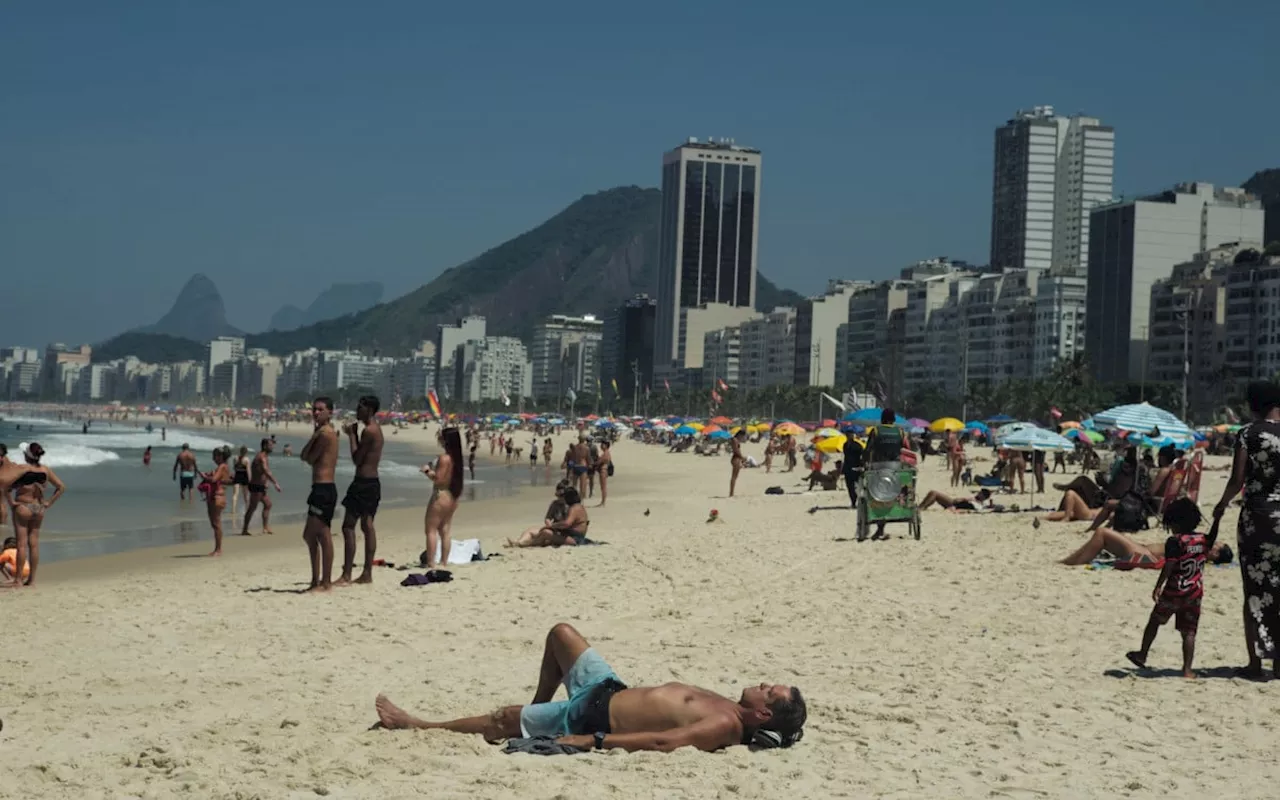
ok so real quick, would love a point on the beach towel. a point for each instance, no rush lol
(463, 551)
(540, 746)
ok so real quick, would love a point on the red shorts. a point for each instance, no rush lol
(1186, 609)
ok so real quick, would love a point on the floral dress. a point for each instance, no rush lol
(1259, 532)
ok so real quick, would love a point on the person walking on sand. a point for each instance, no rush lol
(365, 491)
(321, 452)
(547, 447)
(184, 466)
(213, 486)
(604, 466)
(736, 460)
(580, 463)
(446, 481)
(259, 476)
(24, 492)
(1180, 586)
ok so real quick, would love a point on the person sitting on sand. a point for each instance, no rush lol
(829, 481)
(556, 512)
(9, 560)
(1082, 497)
(1151, 498)
(570, 530)
(980, 500)
(603, 713)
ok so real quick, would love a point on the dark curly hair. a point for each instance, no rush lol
(788, 718)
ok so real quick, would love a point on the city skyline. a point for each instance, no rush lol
(256, 157)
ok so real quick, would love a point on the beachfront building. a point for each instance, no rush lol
(627, 349)
(187, 382)
(345, 370)
(224, 349)
(817, 324)
(1135, 243)
(768, 348)
(940, 291)
(95, 384)
(721, 357)
(565, 354)
(1059, 321)
(1252, 336)
(409, 379)
(299, 376)
(1187, 329)
(54, 355)
(448, 339)
(1049, 172)
(22, 380)
(260, 379)
(868, 345)
(695, 323)
(708, 241)
(224, 381)
(495, 368)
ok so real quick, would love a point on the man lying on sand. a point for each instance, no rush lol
(603, 713)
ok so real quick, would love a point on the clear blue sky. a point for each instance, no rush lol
(273, 145)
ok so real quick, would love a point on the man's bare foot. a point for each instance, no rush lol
(215, 554)
(365, 577)
(344, 580)
(1189, 674)
(268, 531)
(392, 716)
(318, 587)
(245, 533)
(1138, 659)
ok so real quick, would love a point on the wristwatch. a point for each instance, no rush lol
(599, 737)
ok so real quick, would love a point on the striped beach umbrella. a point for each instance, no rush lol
(1142, 418)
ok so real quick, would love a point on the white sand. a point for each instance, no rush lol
(964, 665)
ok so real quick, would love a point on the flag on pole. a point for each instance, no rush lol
(506, 401)
(614, 381)
(571, 394)
(433, 402)
(1054, 412)
(667, 384)
(715, 397)
(724, 387)
(646, 391)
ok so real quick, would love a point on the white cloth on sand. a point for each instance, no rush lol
(462, 551)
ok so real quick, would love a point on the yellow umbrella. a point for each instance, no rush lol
(827, 433)
(697, 426)
(759, 427)
(946, 424)
(734, 430)
(832, 444)
(789, 429)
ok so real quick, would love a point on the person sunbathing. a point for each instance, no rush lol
(828, 480)
(1131, 554)
(556, 512)
(980, 500)
(602, 712)
(1150, 499)
(570, 530)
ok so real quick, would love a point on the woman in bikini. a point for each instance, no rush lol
(215, 494)
(570, 531)
(1131, 554)
(736, 460)
(6, 466)
(556, 512)
(446, 481)
(604, 467)
(240, 481)
(25, 492)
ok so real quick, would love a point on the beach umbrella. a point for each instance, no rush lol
(1082, 435)
(719, 435)
(1012, 428)
(604, 423)
(1143, 418)
(945, 424)
(759, 427)
(863, 415)
(976, 425)
(832, 444)
(686, 430)
(1037, 439)
(720, 421)
(1000, 419)
(917, 422)
(788, 429)
(697, 426)
(826, 432)
(1070, 425)
(709, 429)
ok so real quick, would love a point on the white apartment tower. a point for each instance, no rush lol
(709, 234)
(1050, 171)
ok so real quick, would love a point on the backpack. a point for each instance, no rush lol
(1130, 515)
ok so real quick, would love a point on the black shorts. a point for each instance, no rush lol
(322, 502)
(185, 483)
(240, 479)
(257, 488)
(363, 496)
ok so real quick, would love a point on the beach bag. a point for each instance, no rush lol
(609, 469)
(774, 490)
(1130, 515)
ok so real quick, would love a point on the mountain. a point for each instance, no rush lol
(338, 300)
(589, 258)
(155, 348)
(198, 314)
(1266, 185)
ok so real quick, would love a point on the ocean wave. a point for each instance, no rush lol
(75, 455)
(44, 422)
(134, 440)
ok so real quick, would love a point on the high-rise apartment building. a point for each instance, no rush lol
(627, 350)
(494, 368)
(1133, 244)
(54, 355)
(1252, 319)
(448, 339)
(1049, 172)
(566, 355)
(767, 350)
(709, 235)
(866, 348)
(817, 321)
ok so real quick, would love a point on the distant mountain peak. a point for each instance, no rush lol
(198, 313)
(338, 300)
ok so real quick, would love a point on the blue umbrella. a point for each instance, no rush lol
(872, 415)
(999, 419)
(1037, 439)
(685, 430)
(605, 423)
(719, 435)
(977, 425)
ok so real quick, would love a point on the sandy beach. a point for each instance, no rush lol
(968, 664)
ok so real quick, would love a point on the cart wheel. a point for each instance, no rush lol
(861, 526)
(915, 524)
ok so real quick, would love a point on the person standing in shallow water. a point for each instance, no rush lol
(215, 498)
(321, 453)
(365, 492)
(259, 476)
(184, 466)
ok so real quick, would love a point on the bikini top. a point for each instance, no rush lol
(30, 477)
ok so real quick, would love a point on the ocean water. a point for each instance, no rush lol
(115, 504)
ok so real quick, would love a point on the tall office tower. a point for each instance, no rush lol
(1050, 171)
(710, 222)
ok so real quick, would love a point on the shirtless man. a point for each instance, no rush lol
(602, 713)
(259, 476)
(580, 463)
(365, 491)
(321, 452)
(186, 464)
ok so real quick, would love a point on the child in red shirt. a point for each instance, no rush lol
(1180, 587)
